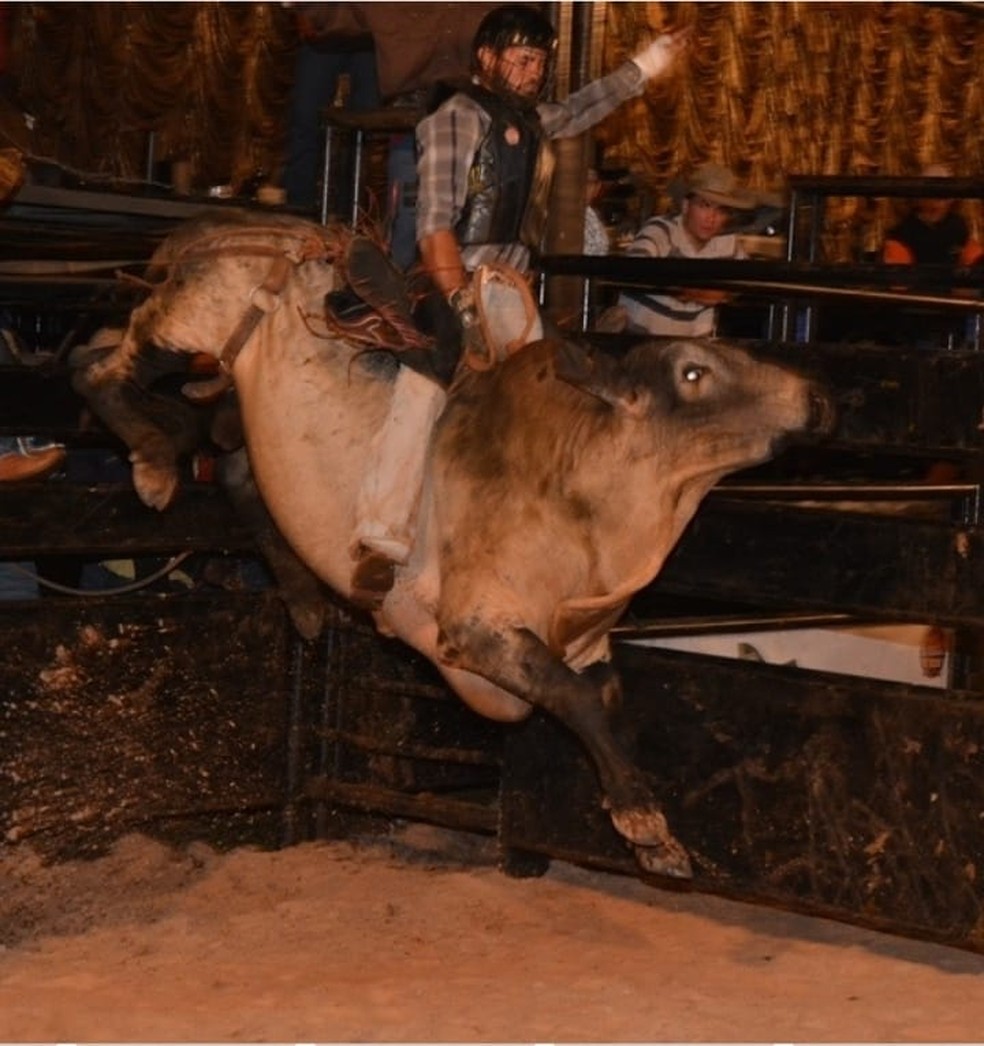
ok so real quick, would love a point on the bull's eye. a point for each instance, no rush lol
(693, 372)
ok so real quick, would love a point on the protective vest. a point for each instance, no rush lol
(510, 176)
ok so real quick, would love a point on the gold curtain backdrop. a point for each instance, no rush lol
(769, 88)
(211, 80)
(774, 89)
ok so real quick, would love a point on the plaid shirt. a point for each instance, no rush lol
(448, 140)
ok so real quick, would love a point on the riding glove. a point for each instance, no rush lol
(659, 56)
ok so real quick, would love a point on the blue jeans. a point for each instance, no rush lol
(24, 444)
(316, 74)
(15, 584)
(401, 175)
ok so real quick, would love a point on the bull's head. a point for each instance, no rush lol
(682, 374)
(737, 406)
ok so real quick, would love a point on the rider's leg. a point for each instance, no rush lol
(387, 505)
(386, 508)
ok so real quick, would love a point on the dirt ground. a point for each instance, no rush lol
(418, 937)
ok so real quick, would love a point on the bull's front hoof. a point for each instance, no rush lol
(656, 848)
(672, 862)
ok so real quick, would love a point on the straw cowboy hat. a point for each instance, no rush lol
(715, 183)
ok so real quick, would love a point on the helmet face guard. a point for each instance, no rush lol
(514, 25)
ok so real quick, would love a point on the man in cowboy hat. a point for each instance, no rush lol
(707, 201)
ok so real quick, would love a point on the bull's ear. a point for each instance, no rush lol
(597, 375)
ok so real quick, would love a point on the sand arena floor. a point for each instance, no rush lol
(418, 937)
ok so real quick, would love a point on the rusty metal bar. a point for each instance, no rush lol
(813, 290)
(423, 806)
(796, 491)
(713, 624)
(366, 743)
(792, 279)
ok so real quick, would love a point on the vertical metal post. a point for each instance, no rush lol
(357, 177)
(327, 763)
(291, 832)
(809, 311)
(326, 175)
(565, 228)
(779, 318)
(151, 156)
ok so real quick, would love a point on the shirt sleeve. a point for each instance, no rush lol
(447, 141)
(651, 241)
(894, 252)
(590, 105)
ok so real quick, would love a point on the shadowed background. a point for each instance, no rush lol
(769, 88)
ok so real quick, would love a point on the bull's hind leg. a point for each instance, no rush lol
(298, 587)
(518, 662)
(156, 428)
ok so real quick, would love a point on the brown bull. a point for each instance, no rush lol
(558, 484)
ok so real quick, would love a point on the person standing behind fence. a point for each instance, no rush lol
(334, 41)
(597, 240)
(932, 233)
(710, 198)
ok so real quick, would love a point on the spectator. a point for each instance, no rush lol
(334, 42)
(24, 458)
(710, 198)
(596, 238)
(933, 233)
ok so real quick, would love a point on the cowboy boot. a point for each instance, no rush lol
(378, 282)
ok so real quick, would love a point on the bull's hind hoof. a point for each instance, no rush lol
(372, 578)
(672, 862)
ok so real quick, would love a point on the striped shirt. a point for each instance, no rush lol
(449, 138)
(596, 238)
(662, 314)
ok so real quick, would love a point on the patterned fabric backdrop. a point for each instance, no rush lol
(808, 88)
(770, 88)
(211, 79)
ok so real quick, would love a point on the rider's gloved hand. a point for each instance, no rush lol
(476, 353)
(660, 56)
